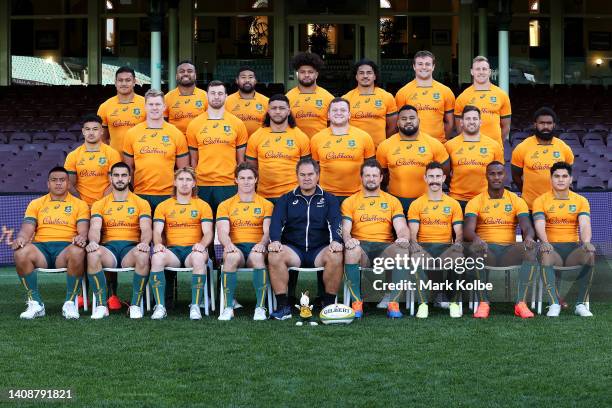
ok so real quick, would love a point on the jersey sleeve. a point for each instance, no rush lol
(206, 211)
(314, 147)
(102, 114)
(505, 110)
(521, 207)
(390, 103)
(31, 212)
(569, 155)
(160, 213)
(128, 144)
(370, 149)
(304, 143)
(346, 209)
(268, 209)
(439, 152)
(396, 208)
(70, 163)
(97, 209)
(518, 156)
(223, 211)
(414, 212)
(181, 144)
(251, 150)
(585, 207)
(144, 209)
(457, 217)
(82, 212)
(471, 208)
(242, 135)
(381, 154)
(192, 141)
(538, 208)
(449, 100)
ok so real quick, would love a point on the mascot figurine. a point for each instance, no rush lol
(305, 309)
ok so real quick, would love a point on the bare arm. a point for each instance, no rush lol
(223, 230)
(95, 230)
(584, 223)
(240, 154)
(105, 135)
(24, 236)
(505, 128)
(517, 176)
(449, 122)
(458, 124)
(146, 230)
(349, 241)
(401, 229)
(207, 233)
(130, 162)
(253, 162)
(158, 230)
(469, 229)
(182, 161)
(194, 156)
(72, 179)
(81, 238)
(391, 125)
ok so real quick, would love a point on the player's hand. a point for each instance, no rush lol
(403, 243)
(457, 247)
(18, 243)
(158, 248)
(546, 247)
(415, 248)
(352, 243)
(588, 247)
(80, 241)
(143, 247)
(230, 248)
(198, 247)
(479, 246)
(275, 246)
(259, 248)
(529, 243)
(92, 247)
(335, 247)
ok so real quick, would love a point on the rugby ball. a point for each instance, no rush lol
(337, 314)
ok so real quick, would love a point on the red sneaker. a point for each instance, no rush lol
(521, 310)
(483, 311)
(358, 308)
(80, 301)
(114, 303)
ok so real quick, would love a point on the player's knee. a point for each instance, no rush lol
(157, 261)
(75, 253)
(23, 255)
(352, 256)
(142, 260)
(257, 260)
(231, 259)
(276, 259)
(198, 260)
(332, 257)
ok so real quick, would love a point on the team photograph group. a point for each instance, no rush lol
(307, 180)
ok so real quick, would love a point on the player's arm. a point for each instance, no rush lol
(413, 228)
(458, 124)
(253, 162)
(240, 154)
(129, 160)
(26, 232)
(402, 231)
(469, 229)
(223, 230)
(194, 156)
(449, 123)
(158, 240)
(584, 224)
(82, 230)
(279, 218)
(95, 234)
(265, 238)
(517, 176)
(505, 128)
(182, 161)
(458, 228)
(105, 135)
(146, 233)
(207, 237)
(72, 181)
(384, 185)
(526, 228)
(539, 223)
(349, 241)
(391, 124)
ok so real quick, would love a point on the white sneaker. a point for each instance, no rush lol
(260, 314)
(236, 304)
(135, 312)
(228, 314)
(33, 310)
(159, 312)
(69, 310)
(554, 310)
(582, 311)
(422, 311)
(195, 313)
(100, 312)
(384, 302)
(441, 301)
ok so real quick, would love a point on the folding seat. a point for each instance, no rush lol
(65, 137)
(20, 138)
(590, 183)
(599, 127)
(32, 148)
(42, 137)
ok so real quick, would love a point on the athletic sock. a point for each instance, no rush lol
(72, 287)
(329, 299)
(584, 279)
(320, 284)
(111, 283)
(481, 275)
(197, 288)
(139, 283)
(158, 285)
(549, 278)
(97, 282)
(397, 276)
(229, 286)
(352, 276)
(421, 286)
(525, 278)
(260, 283)
(30, 283)
(282, 300)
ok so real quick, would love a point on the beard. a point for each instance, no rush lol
(306, 83)
(408, 131)
(543, 135)
(470, 132)
(246, 88)
(278, 121)
(120, 187)
(370, 187)
(187, 82)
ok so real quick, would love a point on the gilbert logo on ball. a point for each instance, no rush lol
(337, 314)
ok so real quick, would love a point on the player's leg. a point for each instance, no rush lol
(279, 264)
(141, 262)
(399, 273)
(586, 260)
(159, 261)
(423, 260)
(516, 253)
(257, 261)
(197, 261)
(27, 259)
(97, 260)
(548, 260)
(332, 272)
(72, 258)
(354, 259)
(450, 255)
(231, 262)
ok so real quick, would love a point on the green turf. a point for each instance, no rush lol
(503, 361)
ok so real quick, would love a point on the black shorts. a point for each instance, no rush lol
(307, 258)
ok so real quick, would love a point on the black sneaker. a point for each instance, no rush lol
(283, 313)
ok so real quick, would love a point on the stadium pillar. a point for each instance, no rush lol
(172, 43)
(371, 40)
(466, 40)
(5, 43)
(482, 27)
(156, 20)
(504, 18)
(557, 56)
(185, 33)
(281, 44)
(94, 62)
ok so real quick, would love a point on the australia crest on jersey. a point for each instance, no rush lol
(508, 207)
(194, 213)
(198, 104)
(136, 111)
(131, 210)
(572, 208)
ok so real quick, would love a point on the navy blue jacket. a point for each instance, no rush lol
(306, 223)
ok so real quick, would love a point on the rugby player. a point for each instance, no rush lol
(562, 222)
(123, 111)
(308, 101)
(53, 235)
(490, 224)
(119, 237)
(370, 218)
(434, 100)
(185, 102)
(372, 108)
(246, 104)
(432, 220)
(186, 223)
(243, 228)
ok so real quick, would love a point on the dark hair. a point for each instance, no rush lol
(407, 107)
(216, 83)
(186, 61)
(545, 111)
(560, 166)
(495, 163)
(371, 64)
(246, 68)
(424, 54)
(120, 165)
(339, 99)
(245, 165)
(57, 169)
(308, 160)
(90, 117)
(123, 69)
(370, 163)
(433, 165)
(470, 108)
(307, 58)
(279, 97)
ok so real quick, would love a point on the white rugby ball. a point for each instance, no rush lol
(337, 314)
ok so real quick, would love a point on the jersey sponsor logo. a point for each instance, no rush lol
(176, 105)
(131, 210)
(68, 209)
(143, 139)
(535, 155)
(335, 156)
(365, 115)
(151, 150)
(572, 208)
(433, 221)
(540, 166)
(120, 224)
(81, 162)
(266, 144)
(396, 152)
(327, 145)
(372, 218)
(496, 221)
(551, 209)
(425, 210)
(305, 115)
(361, 207)
(184, 115)
(414, 95)
(115, 112)
(235, 212)
(560, 221)
(470, 162)
(54, 221)
(245, 117)
(245, 224)
(120, 123)
(214, 141)
(356, 105)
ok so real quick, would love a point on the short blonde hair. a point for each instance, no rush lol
(192, 173)
(152, 93)
(481, 58)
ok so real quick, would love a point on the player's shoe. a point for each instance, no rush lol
(283, 313)
(228, 314)
(80, 301)
(114, 303)
(454, 310)
(358, 308)
(393, 311)
(195, 313)
(100, 312)
(33, 310)
(422, 311)
(522, 310)
(441, 301)
(236, 305)
(260, 314)
(563, 303)
(384, 302)
(554, 310)
(135, 312)
(483, 311)
(70, 311)
(159, 312)
(582, 311)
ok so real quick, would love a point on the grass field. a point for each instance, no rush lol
(502, 361)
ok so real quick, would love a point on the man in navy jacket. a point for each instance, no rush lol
(305, 232)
